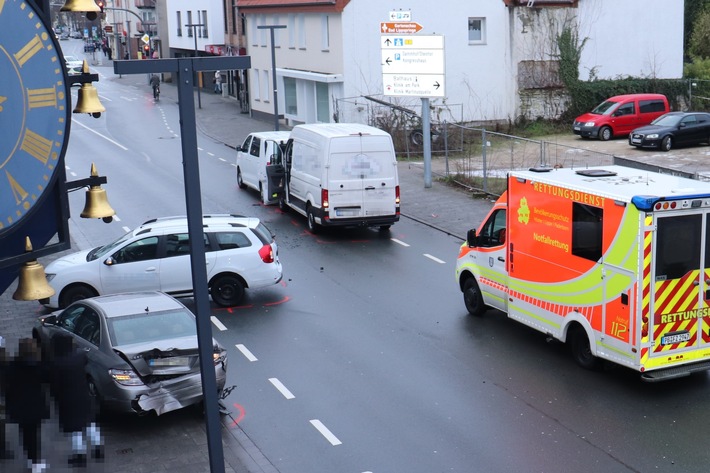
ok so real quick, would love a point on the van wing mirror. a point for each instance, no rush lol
(471, 238)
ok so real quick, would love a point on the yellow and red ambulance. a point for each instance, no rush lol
(614, 261)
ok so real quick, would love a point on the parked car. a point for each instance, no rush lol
(618, 115)
(74, 64)
(77, 34)
(673, 129)
(258, 152)
(142, 350)
(240, 253)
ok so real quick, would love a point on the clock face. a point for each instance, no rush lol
(34, 110)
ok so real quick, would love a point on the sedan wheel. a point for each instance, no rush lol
(666, 143)
(75, 293)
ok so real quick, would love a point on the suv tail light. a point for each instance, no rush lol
(324, 198)
(267, 254)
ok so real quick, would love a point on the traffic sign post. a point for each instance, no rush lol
(413, 66)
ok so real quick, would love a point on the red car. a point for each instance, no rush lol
(620, 114)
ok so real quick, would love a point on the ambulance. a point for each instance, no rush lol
(613, 261)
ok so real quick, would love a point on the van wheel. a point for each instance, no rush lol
(605, 133)
(282, 203)
(240, 180)
(312, 225)
(227, 291)
(581, 352)
(75, 293)
(384, 228)
(472, 298)
(666, 143)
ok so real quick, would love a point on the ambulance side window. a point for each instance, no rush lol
(587, 231)
(493, 232)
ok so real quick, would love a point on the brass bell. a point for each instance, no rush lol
(89, 6)
(32, 284)
(97, 205)
(88, 98)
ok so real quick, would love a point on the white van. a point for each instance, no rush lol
(341, 174)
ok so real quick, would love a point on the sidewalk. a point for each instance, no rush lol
(177, 441)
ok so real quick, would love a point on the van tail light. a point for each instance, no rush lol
(324, 198)
(267, 254)
(396, 195)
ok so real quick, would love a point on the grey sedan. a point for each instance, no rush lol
(142, 350)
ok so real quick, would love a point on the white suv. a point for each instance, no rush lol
(241, 253)
(259, 151)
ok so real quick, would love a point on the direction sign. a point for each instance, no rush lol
(413, 66)
(406, 27)
(399, 15)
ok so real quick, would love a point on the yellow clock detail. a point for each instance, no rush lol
(34, 110)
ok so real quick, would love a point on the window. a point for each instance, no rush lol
(189, 22)
(648, 106)
(678, 246)
(199, 22)
(587, 231)
(177, 245)
(179, 23)
(301, 31)
(205, 33)
(626, 109)
(255, 80)
(141, 250)
(231, 240)
(265, 85)
(290, 96)
(292, 31)
(325, 33)
(493, 232)
(246, 144)
(88, 327)
(476, 30)
(255, 145)
(254, 31)
(262, 32)
(322, 102)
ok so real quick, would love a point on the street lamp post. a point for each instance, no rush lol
(194, 27)
(273, 71)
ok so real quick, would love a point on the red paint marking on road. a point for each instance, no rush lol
(240, 416)
(323, 242)
(231, 310)
(285, 299)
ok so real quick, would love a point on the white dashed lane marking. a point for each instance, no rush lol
(325, 432)
(282, 389)
(218, 324)
(399, 242)
(245, 351)
(434, 258)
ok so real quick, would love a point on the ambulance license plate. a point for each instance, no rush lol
(675, 337)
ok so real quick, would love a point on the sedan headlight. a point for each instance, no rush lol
(219, 356)
(652, 136)
(589, 124)
(125, 377)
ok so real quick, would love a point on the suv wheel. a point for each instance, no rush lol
(240, 181)
(227, 291)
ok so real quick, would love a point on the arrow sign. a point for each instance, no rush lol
(406, 27)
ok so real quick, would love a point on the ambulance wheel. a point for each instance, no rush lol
(312, 225)
(472, 298)
(581, 352)
(666, 143)
(605, 133)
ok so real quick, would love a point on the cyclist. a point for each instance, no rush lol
(155, 83)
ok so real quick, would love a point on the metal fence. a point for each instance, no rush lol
(479, 158)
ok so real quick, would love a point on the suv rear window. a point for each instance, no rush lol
(263, 233)
(648, 106)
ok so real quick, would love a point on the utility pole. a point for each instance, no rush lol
(271, 29)
(194, 27)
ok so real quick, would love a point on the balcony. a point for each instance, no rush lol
(147, 27)
(145, 3)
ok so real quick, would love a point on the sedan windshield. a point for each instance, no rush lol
(103, 250)
(667, 120)
(605, 108)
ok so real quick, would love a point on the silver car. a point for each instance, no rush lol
(142, 349)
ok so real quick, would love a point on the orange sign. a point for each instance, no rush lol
(406, 27)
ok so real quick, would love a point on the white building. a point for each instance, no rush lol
(330, 54)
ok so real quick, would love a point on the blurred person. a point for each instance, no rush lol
(217, 82)
(25, 399)
(70, 389)
(5, 452)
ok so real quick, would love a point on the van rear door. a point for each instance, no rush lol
(362, 177)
